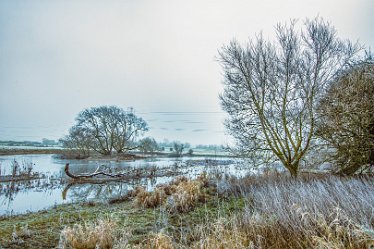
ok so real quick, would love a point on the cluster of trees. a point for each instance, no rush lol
(108, 129)
(307, 88)
(149, 145)
(45, 143)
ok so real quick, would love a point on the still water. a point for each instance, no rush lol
(54, 188)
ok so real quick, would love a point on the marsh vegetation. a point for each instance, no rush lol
(267, 211)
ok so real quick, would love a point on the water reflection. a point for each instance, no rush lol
(77, 191)
(55, 188)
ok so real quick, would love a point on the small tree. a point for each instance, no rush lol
(178, 148)
(190, 152)
(48, 142)
(148, 145)
(79, 140)
(346, 118)
(271, 89)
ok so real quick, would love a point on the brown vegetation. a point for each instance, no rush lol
(279, 212)
(89, 235)
(181, 195)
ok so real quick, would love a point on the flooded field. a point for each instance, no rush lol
(53, 187)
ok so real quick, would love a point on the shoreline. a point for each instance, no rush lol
(131, 156)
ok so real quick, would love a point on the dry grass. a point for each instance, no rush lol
(181, 195)
(158, 241)
(256, 231)
(146, 199)
(308, 212)
(218, 235)
(282, 212)
(279, 212)
(316, 196)
(89, 235)
(186, 196)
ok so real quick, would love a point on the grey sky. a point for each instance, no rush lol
(58, 57)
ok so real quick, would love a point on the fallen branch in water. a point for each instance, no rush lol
(131, 174)
(96, 173)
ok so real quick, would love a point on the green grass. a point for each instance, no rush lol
(45, 226)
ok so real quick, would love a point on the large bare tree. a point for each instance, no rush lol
(108, 128)
(271, 89)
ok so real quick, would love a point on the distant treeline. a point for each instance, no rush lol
(45, 143)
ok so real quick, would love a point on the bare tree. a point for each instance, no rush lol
(108, 128)
(178, 148)
(148, 145)
(271, 89)
(79, 140)
(346, 118)
(128, 129)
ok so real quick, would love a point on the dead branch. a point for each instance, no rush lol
(132, 174)
(96, 173)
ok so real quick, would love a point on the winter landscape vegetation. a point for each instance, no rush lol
(293, 169)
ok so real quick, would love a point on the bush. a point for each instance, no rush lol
(346, 119)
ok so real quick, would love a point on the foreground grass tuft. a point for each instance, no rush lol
(100, 234)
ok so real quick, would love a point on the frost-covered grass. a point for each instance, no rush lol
(272, 211)
(317, 212)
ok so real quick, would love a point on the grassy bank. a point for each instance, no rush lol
(272, 211)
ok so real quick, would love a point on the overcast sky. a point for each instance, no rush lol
(59, 57)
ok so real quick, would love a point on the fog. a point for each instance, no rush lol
(159, 57)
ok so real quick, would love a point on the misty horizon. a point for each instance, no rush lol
(60, 57)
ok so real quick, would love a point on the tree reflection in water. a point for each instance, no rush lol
(80, 191)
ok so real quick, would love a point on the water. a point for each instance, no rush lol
(54, 188)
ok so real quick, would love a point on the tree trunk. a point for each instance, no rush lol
(293, 169)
